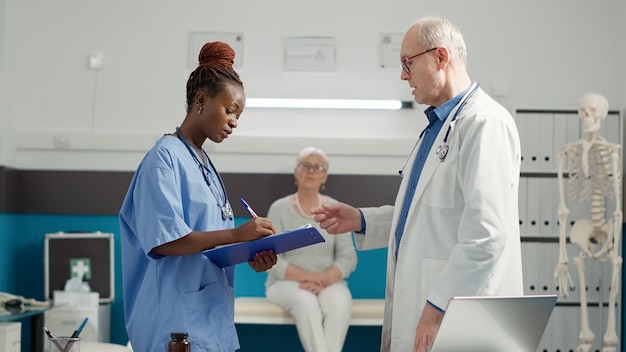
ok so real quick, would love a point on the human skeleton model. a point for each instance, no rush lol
(594, 176)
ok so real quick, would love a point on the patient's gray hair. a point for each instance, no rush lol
(308, 151)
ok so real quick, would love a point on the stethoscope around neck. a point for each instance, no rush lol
(442, 150)
(227, 211)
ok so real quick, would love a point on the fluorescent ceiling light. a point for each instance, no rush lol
(377, 104)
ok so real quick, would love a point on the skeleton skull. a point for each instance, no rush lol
(592, 109)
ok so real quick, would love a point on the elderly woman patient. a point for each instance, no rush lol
(309, 282)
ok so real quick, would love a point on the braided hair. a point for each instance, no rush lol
(215, 68)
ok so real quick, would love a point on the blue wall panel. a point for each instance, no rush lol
(28, 256)
(21, 251)
(367, 281)
(7, 235)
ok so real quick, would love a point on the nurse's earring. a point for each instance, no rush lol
(199, 109)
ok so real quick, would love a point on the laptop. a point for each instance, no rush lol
(494, 324)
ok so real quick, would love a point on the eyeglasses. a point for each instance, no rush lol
(405, 63)
(312, 167)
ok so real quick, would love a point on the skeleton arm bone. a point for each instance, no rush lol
(617, 214)
(610, 338)
(562, 277)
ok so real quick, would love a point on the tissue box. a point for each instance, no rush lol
(75, 299)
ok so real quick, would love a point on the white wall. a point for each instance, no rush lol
(5, 129)
(59, 114)
(620, 70)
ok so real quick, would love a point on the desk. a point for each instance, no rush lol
(36, 324)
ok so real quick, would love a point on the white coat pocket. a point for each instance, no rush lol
(440, 191)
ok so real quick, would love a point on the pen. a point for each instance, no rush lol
(80, 328)
(75, 335)
(247, 206)
(55, 342)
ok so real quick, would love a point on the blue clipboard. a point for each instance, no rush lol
(241, 252)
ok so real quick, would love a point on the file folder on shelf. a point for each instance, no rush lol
(241, 252)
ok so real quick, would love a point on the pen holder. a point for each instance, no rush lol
(63, 344)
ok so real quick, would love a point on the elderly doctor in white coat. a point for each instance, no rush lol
(454, 228)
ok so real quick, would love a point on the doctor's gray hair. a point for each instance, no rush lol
(437, 31)
(308, 151)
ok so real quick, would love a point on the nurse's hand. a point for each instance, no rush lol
(427, 328)
(253, 229)
(263, 261)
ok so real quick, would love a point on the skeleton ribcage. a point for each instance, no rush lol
(600, 176)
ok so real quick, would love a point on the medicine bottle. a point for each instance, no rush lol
(179, 343)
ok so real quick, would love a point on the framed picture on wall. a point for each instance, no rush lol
(198, 39)
(390, 49)
(310, 54)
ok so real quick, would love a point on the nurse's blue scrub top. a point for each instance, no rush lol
(167, 199)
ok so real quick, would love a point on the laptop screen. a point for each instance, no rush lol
(494, 324)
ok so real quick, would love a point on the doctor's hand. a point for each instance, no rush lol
(338, 218)
(427, 328)
(263, 261)
(253, 229)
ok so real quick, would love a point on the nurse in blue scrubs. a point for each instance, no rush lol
(176, 207)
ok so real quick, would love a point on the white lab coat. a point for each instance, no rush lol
(462, 232)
